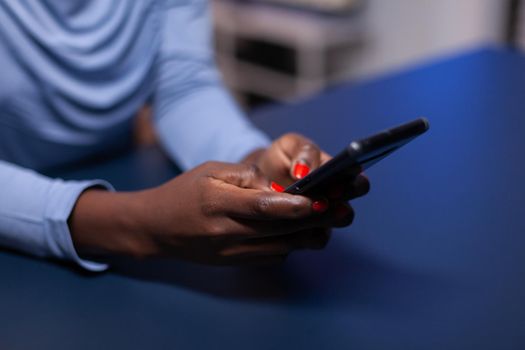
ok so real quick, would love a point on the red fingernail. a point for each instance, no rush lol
(276, 187)
(320, 206)
(301, 170)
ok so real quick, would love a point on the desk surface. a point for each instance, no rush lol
(435, 259)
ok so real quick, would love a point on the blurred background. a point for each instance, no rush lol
(280, 50)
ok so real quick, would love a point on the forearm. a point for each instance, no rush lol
(106, 223)
(206, 125)
(195, 117)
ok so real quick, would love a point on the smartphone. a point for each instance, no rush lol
(358, 156)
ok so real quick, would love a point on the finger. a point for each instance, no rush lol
(273, 246)
(359, 188)
(306, 158)
(255, 204)
(325, 157)
(242, 176)
(316, 238)
(342, 190)
(343, 215)
(304, 155)
(243, 228)
(247, 228)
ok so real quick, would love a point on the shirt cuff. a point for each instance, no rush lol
(63, 197)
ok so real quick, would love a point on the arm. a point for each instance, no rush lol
(195, 117)
(34, 211)
(197, 120)
(214, 213)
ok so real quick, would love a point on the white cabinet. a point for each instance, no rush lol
(270, 52)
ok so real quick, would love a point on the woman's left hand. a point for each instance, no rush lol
(293, 156)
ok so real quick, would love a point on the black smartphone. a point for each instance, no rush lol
(358, 156)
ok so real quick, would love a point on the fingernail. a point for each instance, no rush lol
(276, 187)
(300, 170)
(341, 212)
(320, 206)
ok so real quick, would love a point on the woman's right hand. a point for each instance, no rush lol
(217, 213)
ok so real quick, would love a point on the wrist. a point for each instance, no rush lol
(105, 224)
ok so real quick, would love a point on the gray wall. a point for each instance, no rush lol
(402, 33)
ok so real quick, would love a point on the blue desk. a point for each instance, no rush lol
(435, 259)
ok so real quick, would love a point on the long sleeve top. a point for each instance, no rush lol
(72, 76)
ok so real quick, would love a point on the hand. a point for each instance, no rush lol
(293, 156)
(217, 213)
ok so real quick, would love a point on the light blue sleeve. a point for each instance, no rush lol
(195, 117)
(34, 211)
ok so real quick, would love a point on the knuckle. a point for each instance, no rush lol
(212, 168)
(292, 135)
(300, 208)
(309, 147)
(213, 163)
(209, 165)
(209, 208)
(203, 180)
(215, 229)
(296, 138)
(210, 205)
(252, 171)
(261, 204)
(243, 175)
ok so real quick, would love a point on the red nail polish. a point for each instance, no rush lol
(320, 206)
(301, 170)
(276, 187)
